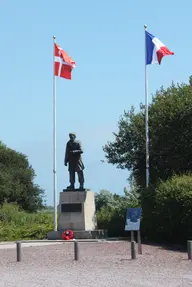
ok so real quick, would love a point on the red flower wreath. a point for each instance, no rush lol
(68, 235)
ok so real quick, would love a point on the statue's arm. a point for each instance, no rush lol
(79, 150)
(66, 160)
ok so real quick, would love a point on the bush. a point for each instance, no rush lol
(111, 211)
(112, 220)
(16, 224)
(167, 210)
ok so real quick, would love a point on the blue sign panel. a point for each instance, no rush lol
(133, 219)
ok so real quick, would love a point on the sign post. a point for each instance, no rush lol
(133, 218)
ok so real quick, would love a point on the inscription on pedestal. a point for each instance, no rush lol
(77, 211)
(71, 207)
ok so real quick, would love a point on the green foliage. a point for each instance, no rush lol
(170, 129)
(105, 199)
(16, 180)
(111, 210)
(167, 210)
(16, 224)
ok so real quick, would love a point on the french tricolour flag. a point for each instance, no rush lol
(155, 49)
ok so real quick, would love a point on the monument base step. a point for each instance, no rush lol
(79, 234)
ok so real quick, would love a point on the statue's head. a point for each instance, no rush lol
(72, 136)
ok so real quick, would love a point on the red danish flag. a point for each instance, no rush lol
(63, 63)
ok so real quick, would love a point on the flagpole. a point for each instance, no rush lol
(146, 115)
(54, 140)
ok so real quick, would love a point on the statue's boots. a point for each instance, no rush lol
(71, 187)
(81, 187)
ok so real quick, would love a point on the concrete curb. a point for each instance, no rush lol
(12, 245)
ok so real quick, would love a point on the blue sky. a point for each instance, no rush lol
(106, 39)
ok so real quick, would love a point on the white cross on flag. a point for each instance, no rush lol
(63, 63)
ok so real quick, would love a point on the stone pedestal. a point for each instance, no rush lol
(77, 211)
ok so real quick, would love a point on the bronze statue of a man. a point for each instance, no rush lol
(74, 160)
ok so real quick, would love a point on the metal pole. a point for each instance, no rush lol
(189, 249)
(54, 140)
(139, 242)
(18, 251)
(132, 235)
(146, 114)
(76, 250)
(133, 250)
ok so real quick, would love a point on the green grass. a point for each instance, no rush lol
(16, 224)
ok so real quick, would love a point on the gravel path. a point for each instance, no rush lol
(100, 265)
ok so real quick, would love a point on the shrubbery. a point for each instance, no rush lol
(111, 211)
(16, 224)
(166, 216)
(167, 210)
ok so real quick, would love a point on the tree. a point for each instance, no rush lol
(170, 134)
(104, 199)
(16, 180)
